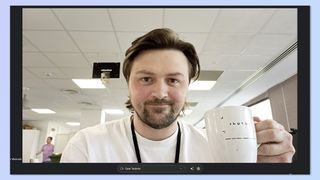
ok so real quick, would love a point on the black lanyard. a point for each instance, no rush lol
(136, 146)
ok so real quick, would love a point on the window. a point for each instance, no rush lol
(262, 109)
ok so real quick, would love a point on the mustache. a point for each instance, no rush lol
(159, 102)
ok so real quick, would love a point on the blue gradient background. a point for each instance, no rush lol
(5, 85)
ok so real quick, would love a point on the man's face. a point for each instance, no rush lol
(48, 140)
(158, 86)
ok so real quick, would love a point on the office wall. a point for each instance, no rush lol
(283, 100)
(42, 126)
(30, 144)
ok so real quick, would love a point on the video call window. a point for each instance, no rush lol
(242, 49)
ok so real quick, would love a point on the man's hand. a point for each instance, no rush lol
(275, 142)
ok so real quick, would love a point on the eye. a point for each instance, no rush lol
(146, 80)
(173, 81)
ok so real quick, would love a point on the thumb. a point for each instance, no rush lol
(256, 119)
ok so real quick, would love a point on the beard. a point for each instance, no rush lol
(158, 113)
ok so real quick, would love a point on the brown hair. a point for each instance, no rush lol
(160, 39)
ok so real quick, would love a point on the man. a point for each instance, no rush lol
(47, 150)
(158, 68)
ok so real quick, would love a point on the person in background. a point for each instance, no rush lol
(158, 68)
(47, 150)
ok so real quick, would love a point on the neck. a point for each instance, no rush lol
(151, 133)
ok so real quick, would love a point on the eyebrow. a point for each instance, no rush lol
(145, 72)
(151, 73)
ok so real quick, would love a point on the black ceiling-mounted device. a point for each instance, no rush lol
(111, 70)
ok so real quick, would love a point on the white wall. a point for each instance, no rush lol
(61, 134)
(90, 118)
(42, 126)
(30, 143)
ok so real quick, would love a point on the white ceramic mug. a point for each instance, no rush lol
(231, 134)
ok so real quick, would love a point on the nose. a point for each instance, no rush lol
(160, 90)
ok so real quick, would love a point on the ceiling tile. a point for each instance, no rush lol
(30, 115)
(45, 98)
(67, 108)
(96, 41)
(75, 60)
(27, 75)
(220, 91)
(51, 41)
(234, 76)
(270, 44)
(241, 20)
(117, 84)
(77, 73)
(84, 19)
(126, 38)
(223, 87)
(62, 84)
(95, 92)
(104, 57)
(40, 19)
(110, 97)
(78, 98)
(44, 92)
(196, 39)
(212, 61)
(283, 21)
(47, 73)
(142, 20)
(27, 46)
(34, 84)
(66, 113)
(227, 43)
(241, 62)
(206, 61)
(190, 20)
(34, 59)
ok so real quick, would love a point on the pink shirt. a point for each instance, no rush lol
(47, 151)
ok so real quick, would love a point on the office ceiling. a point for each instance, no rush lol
(60, 44)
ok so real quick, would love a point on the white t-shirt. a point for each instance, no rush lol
(112, 142)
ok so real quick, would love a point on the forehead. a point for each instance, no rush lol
(161, 61)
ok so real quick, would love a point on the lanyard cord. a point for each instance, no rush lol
(136, 146)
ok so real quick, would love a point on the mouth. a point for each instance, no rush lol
(158, 105)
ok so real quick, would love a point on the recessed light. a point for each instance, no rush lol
(73, 123)
(89, 83)
(201, 85)
(43, 111)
